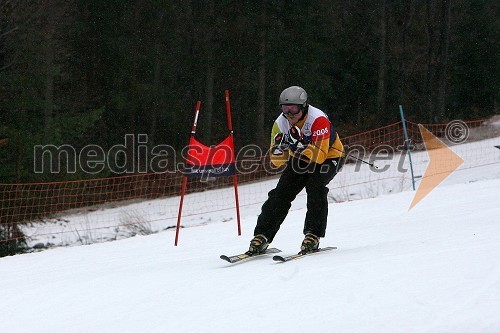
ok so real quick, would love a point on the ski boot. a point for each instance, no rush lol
(309, 244)
(258, 245)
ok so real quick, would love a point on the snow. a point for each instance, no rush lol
(432, 269)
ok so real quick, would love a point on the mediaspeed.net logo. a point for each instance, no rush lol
(442, 160)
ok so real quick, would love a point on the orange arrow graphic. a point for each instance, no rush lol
(442, 162)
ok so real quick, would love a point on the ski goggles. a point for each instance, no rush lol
(291, 109)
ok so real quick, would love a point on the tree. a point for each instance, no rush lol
(35, 109)
(382, 66)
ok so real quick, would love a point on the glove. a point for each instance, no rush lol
(296, 140)
(280, 144)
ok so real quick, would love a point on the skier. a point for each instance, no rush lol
(304, 138)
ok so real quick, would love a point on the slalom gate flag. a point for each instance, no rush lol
(203, 161)
(207, 163)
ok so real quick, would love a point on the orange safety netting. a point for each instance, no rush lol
(60, 210)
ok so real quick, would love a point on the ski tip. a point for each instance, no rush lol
(279, 258)
(226, 258)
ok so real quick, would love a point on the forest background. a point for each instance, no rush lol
(80, 72)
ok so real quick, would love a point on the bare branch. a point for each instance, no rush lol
(9, 64)
(8, 32)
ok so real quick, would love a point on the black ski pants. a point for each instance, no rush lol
(297, 175)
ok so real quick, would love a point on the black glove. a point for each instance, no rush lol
(280, 144)
(296, 140)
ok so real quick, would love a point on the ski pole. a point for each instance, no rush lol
(356, 158)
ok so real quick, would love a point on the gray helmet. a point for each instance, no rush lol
(293, 95)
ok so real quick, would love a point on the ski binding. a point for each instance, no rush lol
(244, 256)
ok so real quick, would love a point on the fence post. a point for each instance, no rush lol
(407, 144)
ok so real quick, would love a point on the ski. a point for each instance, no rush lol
(300, 255)
(244, 256)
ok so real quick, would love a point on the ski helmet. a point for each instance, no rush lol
(294, 95)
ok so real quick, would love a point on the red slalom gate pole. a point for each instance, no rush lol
(183, 191)
(184, 178)
(235, 178)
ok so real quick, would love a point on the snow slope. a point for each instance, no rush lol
(432, 269)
